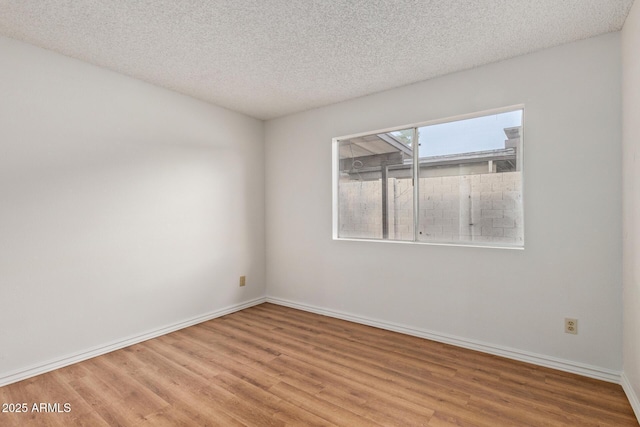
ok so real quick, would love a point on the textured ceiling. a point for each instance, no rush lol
(268, 58)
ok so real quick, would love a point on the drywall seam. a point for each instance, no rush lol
(631, 394)
(510, 353)
(41, 368)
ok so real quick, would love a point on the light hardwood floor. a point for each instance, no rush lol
(273, 366)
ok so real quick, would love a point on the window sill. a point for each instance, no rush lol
(454, 244)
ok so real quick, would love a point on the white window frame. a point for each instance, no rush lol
(416, 159)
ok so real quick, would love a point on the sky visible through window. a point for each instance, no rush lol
(463, 136)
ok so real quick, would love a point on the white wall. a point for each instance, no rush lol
(124, 208)
(571, 266)
(631, 200)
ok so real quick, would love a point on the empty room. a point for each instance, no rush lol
(320, 213)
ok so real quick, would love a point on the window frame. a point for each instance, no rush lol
(335, 150)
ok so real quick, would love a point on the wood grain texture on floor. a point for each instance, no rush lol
(274, 366)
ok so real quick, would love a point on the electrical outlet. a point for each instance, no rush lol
(243, 280)
(571, 326)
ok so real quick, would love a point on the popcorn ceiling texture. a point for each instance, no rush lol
(269, 58)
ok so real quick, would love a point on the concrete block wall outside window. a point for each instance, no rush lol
(471, 208)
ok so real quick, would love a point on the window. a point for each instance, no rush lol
(453, 181)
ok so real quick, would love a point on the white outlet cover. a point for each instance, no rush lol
(571, 326)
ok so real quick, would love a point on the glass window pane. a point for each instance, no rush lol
(470, 185)
(375, 186)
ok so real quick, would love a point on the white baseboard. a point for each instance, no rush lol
(510, 353)
(41, 368)
(634, 400)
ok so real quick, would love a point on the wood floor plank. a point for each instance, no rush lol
(275, 366)
(334, 414)
(181, 388)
